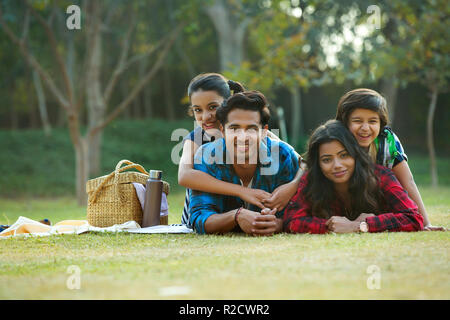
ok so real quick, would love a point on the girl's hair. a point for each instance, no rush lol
(247, 100)
(363, 98)
(213, 82)
(363, 184)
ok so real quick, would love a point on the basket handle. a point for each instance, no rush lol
(115, 174)
(130, 165)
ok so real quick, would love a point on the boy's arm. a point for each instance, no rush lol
(406, 179)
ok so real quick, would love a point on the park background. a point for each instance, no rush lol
(75, 101)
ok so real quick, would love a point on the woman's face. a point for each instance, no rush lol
(364, 125)
(204, 105)
(335, 162)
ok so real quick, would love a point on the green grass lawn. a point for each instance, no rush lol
(129, 266)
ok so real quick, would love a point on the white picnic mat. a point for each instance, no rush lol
(28, 227)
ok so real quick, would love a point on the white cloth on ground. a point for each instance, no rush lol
(26, 225)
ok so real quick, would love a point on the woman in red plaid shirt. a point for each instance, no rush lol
(343, 191)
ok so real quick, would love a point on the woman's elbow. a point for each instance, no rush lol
(182, 179)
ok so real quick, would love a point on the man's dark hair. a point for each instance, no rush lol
(247, 100)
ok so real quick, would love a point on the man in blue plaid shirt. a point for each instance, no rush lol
(244, 156)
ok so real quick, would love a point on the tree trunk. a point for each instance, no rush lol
(430, 138)
(282, 124)
(82, 170)
(230, 34)
(80, 146)
(389, 90)
(95, 102)
(296, 117)
(42, 103)
(178, 42)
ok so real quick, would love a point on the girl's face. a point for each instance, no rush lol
(364, 124)
(335, 162)
(204, 105)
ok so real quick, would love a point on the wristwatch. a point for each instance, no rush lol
(364, 227)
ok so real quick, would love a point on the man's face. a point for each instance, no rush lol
(242, 133)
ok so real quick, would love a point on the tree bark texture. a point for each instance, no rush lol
(389, 90)
(41, 103)
(230, 32)
(296, 117)
(430, 137)
(95, 102)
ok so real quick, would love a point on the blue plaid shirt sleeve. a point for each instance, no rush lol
(204, 204)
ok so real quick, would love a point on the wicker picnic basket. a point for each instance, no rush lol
(112, 198)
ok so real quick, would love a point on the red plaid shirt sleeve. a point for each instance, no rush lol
(403, 214)
(297, 216)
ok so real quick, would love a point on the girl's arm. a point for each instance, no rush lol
(198, 180)
(281, 195)
(405, 177)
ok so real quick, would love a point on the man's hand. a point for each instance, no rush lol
(255, 197)
(267, 224)
(268, 211)
(342, 225)
(255, 223)
(362, 217)
(246, 219)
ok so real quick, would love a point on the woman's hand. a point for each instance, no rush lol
(255, 196)
(342, 225)
(268, 211)
(281, 196)
(362, 217)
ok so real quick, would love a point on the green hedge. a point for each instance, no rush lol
(35, 165)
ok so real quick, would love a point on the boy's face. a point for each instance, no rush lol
(243, 132)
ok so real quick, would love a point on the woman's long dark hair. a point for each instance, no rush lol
(363, 185)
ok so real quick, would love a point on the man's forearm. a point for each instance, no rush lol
(221, 223)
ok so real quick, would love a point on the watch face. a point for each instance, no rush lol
(364, 227)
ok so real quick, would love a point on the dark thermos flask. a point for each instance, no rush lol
(152, 204)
